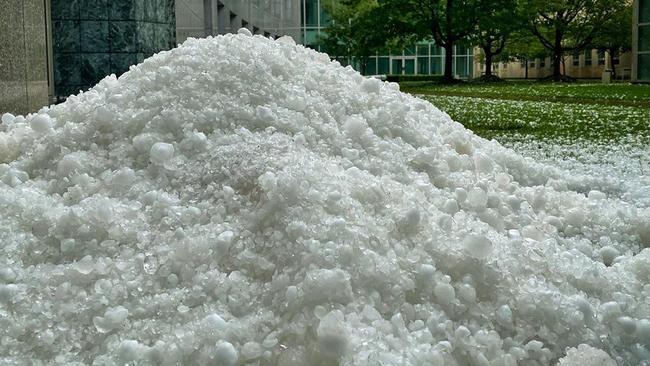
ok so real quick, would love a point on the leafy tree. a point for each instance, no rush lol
(355, 31)
(448, 22)
(522, 45)
(615, 36)
(566, 25)
(496, 22)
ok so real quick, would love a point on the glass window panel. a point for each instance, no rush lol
(588, 57)
(311, 37)
(644, 11)
(644, 38)
(383, 65)
(409, 51)
(371, 68)
(423, 65)
(436, 65)
(409, 67)
(311, 13)
(423, 49)
(644, 67)
(461, 66)
(397, 67)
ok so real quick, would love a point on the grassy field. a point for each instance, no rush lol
(589, 128)
(593, 93)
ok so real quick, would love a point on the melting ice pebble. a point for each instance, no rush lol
(225, 354)
(8, 118)
(332, 335)
(312, 216)
(245, 32)
(478, 246)
(161, 152)
(41, 123)
(586, 355)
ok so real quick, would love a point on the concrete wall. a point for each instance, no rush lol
(583, 66)
(201, 18)
(23, 56)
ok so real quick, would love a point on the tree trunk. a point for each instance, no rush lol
(557, 62)
(487, 50)
(526, 69)
(449, 61)
(488, 64)
(557, 56)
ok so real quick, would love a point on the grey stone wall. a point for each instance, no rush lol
(23, 56)
(96, 38)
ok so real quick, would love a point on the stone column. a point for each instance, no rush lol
(23, 56)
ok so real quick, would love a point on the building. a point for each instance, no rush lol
(587, 64)
(201, 18)
(50, 49)
(25, 46)
(424, 58)
(641, 42)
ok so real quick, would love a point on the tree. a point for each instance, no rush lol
(615, 36)
(523, 46)
(566, 25)
(355, 30)
(496, 22)
(446, 21)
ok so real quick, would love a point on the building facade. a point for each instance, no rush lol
(587, 64)
(424, 58)
(641, 42)
(93, 39)
(202, 18)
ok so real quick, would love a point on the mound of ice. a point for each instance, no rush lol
(240, 200)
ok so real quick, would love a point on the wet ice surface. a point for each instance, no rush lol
(620, 167)
(240, 200)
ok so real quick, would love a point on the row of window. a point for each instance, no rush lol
(400, 65)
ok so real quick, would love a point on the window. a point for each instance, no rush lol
(601, 57)
(371, 67)
(436, 65)
(310, 13)
(532, 64)
(423, 65)
(644, 11)
(576, 59)
(542, 62)
(383, 67)
(588, 60)
(423, 49)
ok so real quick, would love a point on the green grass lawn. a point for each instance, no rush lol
(498, 118)
(590, 111)
(590, 93)
(595, 129)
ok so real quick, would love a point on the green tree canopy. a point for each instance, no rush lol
(446, 21)
(615, 36)
(497, 20)
(566, 25)
(356, 30)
